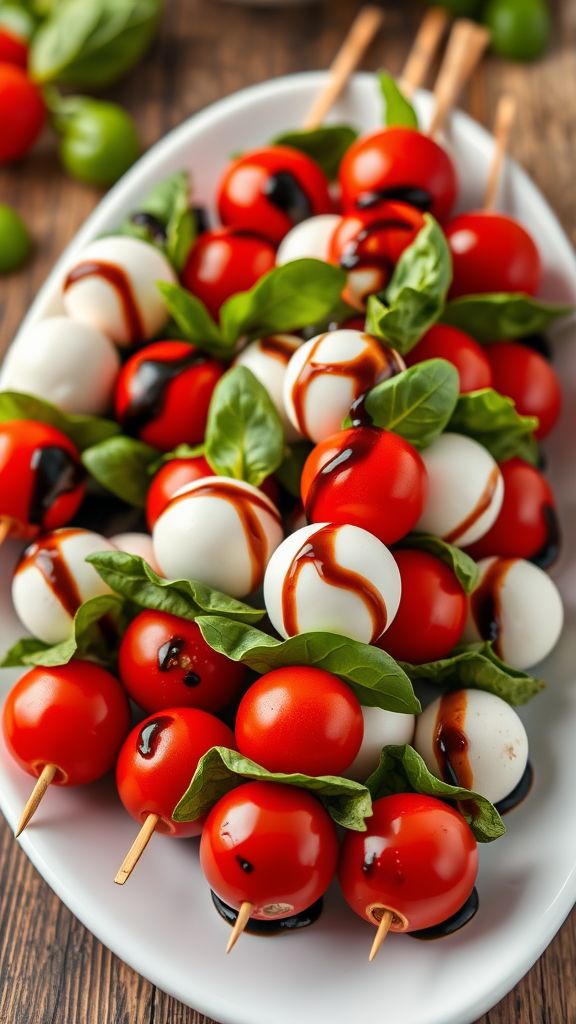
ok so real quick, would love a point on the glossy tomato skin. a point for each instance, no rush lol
(366, 477)
(432, 613)
(163, 393)
(270, 844)
(270, 190)
(74, 716)
(399, 164)
(417, 858)
(165, 662)
(13, 49)
(22, 113)
(225, 261)
(469, 358)
(158, 759)
(524, 375)
(492, 253)
(300, 719)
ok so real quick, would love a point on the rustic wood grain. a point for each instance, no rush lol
(52, 971)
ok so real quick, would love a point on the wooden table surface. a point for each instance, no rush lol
(52, 971)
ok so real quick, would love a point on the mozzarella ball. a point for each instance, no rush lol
(517, 605)
(380, 729)
(53, 579)
(113, 286)
(219, 531)
(328, 373)
(337, 579)
(136, 544)
(473, 739)
(465, 490)
(70, 364)
(268, 358)
(310, 239)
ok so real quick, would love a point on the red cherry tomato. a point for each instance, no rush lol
(432, 613)
(469, 358)
(41, 477)
(270, 190)
(165, 663)
(492, 253)
(417, 858)
(398, 164)
(22, 113)
(365, 477)
(300, 720)
(13, 49)
(527, 525)
(158, 759)
(524, 375)
(74, 716)
(270, 844)
(163, 393)
(226, 261)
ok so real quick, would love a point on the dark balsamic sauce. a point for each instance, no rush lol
(149, 735)
(148, 388)
(191, 679)
(540, 344)
(353, 258)
(56, 472)
(152, 225)
(451, 924)
(451, 742)
(485, 602)
(410, 194)
(361, 445)
(550, 550)
(169, 653)
(282, 924)
(277, 347)
(519, 793)
(285, 191)
(47, 556)
(201, 218)
(118, 279)
(483, 503)
(245, 864)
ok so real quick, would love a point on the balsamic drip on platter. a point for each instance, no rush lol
(148, 387)
(273, 927)
(286, 192)
(519, 793)
(451, 924)
(56, 472)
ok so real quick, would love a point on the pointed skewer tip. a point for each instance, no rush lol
(240, 924)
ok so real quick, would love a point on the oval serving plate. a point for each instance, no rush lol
(162, 922)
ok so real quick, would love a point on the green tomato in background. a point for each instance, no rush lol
(520, 28)
(458, 8)
(99, 140)
(15, 242)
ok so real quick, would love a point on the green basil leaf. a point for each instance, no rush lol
(132, 578)
(182, 451)
(464, 568)
(87, 639)
(289, 472)
(401, 769)
(220, 770)
(194, 320)
(399, 110)
(500, 315)
(417, 291)
(22, 651)
(326, 145)
(477, 667)
(244, 433)
(83, 431)
(492, 419)
(417, 403)
(375, 677)
(122, 466)
(169, 203)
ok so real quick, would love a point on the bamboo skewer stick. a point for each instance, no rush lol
(423, 50)
(240, 924)
(137, 849)
(37, 794)
(505, 115)
(383, 929)
(466, 45)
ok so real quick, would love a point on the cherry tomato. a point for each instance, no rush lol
(41, 477)
(527, 524)
(272, 845)
(13, 49)
(469, 358)
(165, 663)
(163, 393)
(524, 375)
(300, 720)
(226, 261)
(492, 253)
(432, 613)
(158, 759)
(366, 477)
(398, 164)
(22, 113)
(74, 716)
(270, 190)
(417, 858)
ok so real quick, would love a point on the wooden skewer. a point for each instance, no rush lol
(137, 849)
(43, 781)
(505, 114)
(383, 929)
(361, 33)
(423, 50)
(466, 45)
(240, 924)
(5, 525)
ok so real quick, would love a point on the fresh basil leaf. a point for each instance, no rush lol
(464, 568)
(87, 639)
(325, 145)
(194, 320)
(417, 403)
(500, 315)
(132, 578)
(173, 229)
(375, 677)
(289, 472)
(220, 770)
(477, 667)
(417, 292)
(493, 420)
(22, 651)
(401, 769)
(244, 433)
(399, 110)
(83, 431)
(122, 466)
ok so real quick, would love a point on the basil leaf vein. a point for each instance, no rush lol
(417, 403)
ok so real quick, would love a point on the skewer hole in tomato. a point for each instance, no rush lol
(527, 377)
(469, 358)
(225, 261)
(492, 253)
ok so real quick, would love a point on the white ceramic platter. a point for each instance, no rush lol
(162, 922)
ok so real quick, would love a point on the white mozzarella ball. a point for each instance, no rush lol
(327, 374)
(219, 531)
(380, 729)
(517, 605)
(112, 286)
(137, 544)
(310, 239)
(268, 358)
(68, 363)
(53, 579)
(338, 579)
(465, 490)
(475, 738)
